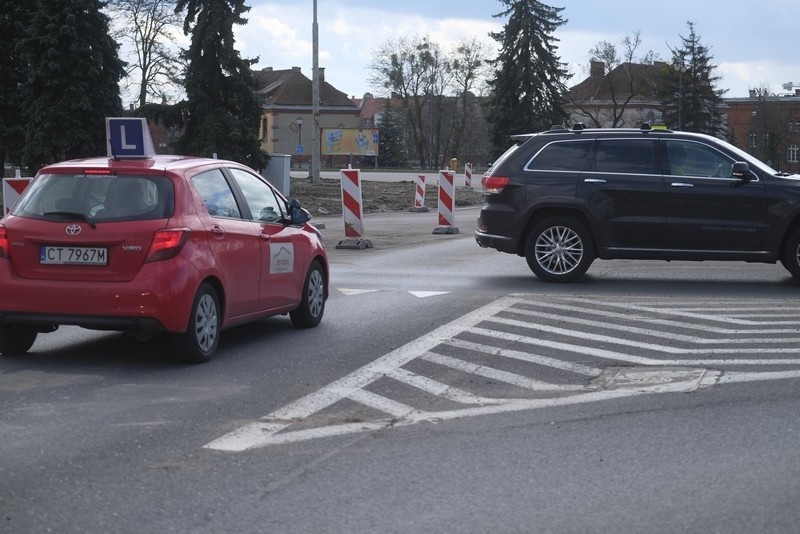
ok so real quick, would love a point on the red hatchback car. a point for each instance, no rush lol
(183, 245)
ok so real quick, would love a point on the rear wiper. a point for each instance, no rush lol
(72, 215)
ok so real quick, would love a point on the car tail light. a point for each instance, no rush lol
(167, 243)
(4, 246)
(493, 184)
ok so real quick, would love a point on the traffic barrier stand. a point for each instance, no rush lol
(468, 176)
(352, 211)
(12, 189)
(419, 194)
(447, 195)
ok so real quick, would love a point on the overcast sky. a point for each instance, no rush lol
(753, 44)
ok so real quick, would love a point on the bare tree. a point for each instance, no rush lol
(147, 26)
(469, 68)
(416, 73)
(625, 77)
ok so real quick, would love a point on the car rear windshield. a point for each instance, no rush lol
(97, 197)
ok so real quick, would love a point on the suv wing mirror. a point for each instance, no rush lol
(741, 170)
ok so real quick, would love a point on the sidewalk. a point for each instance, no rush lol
(396, 229)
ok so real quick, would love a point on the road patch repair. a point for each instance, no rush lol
(589, 350)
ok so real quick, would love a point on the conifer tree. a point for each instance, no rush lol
(223, 112)
(689, 91)
(14, 19)
(392, 148)
(72, 83)
(529, 79)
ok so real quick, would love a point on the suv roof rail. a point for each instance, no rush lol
(578, 126)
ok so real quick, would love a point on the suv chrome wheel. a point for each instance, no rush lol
(559, 250)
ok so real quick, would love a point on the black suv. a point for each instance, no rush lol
(562, 198)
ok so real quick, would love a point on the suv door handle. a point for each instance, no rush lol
(594, 181)
(681, 184)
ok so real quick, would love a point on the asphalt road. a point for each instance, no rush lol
(447, 390)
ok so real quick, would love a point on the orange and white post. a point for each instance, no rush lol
(447, 195)
(352, 210)
(419, 194)
(468, 176)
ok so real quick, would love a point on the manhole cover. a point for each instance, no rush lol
(655, 379)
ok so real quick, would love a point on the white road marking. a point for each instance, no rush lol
(682, 324)
(244, 437)
(638, 360)
(733, 377)
(434, 387)
(351, 292)
(425, 294)
(525, 357)
(381, 403)
(689, 315)
(498, 375)
(667, 375)
(643, 331)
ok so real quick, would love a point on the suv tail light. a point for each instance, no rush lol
(167, 243)
(493, 184)
(4, 246)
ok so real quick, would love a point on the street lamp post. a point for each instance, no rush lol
(299, 121)
(681, 68)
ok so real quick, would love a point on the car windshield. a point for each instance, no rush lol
(97, 198)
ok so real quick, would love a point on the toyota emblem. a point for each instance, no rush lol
(73, 229)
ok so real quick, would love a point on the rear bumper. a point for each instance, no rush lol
(47, 320)
(497, 242)
(150, 302)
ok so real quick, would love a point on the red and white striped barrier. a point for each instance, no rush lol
(468, 176)
(447, 195)
(352, 210)
(419, 194)
(12, 189)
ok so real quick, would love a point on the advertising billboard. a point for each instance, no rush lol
(350, 141)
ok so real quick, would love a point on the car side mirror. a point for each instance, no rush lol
(297, 214)
(741, 170)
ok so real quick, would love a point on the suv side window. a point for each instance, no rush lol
(689, 158)
(626, 156)
(216, 193)
(567, 156)
(260, 198)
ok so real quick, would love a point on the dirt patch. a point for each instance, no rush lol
(325, 198)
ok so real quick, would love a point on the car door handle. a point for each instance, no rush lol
(217, 230)
(265, 237)
(594, 181)
(681, 184)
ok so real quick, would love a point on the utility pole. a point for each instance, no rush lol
(315, 138)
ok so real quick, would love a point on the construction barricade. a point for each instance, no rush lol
(447, 195)
(352, 211)
(468, 176)
(419, 194)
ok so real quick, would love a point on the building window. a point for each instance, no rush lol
(752, 140)
(796, 126)
(791, 153)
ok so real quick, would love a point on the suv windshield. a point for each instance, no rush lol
(97, 198)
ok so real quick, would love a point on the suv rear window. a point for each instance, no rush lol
(99, 198)
(562, 156)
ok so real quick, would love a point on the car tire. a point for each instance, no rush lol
(201, 338)
(791, 254)
(312, 303)
(16, 339)
(559, 249)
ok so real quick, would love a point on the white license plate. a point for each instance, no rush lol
(73, 255)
